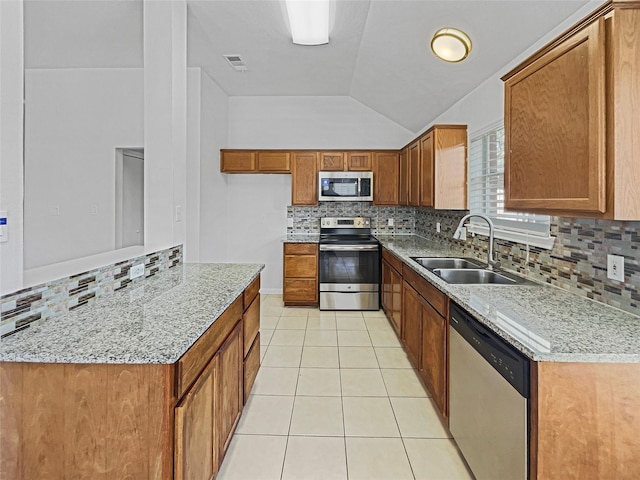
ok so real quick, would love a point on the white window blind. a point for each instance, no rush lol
(486, 193)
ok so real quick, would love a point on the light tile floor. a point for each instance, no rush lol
(336, 398)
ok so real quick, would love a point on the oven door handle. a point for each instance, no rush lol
(346, 248)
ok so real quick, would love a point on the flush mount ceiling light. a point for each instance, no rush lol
(309, 21)
(451, 44)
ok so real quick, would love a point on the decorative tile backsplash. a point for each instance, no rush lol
(307, 219)
(31, 306)
(577, 262)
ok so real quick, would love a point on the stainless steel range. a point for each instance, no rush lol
(349, 269)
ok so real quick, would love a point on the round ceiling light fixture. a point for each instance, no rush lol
(451, 44)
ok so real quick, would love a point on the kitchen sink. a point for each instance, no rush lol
(467, 275)
(432, 263)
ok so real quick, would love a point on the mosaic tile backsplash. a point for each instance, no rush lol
(577, 262)
(307, 219)
(31, 306)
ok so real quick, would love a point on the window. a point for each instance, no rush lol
(486, 194)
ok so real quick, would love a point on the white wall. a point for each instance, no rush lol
(11, 169)
(74, 121)
(257, 204)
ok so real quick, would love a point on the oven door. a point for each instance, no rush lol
(349, 277)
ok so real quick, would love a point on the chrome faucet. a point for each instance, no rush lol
(491, 263)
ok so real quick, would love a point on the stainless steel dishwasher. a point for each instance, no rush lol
(489, 400)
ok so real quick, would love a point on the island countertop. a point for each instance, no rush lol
(153, 323)
(544, 322)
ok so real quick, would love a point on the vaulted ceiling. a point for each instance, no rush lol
(378, 51)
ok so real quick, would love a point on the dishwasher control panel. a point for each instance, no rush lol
(506, 360)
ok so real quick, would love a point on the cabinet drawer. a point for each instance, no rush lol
(251, 291)
(300, 248)
(196, 358)
(394, 261)
(431, 294)
(251, 366)
(300, 266)
(300, 290)
(251, 324)
(274, 162)
(237, 161)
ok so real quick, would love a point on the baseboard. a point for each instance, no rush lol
(271, 291)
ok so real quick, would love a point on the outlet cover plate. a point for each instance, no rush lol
(136, 271)
(615, 267)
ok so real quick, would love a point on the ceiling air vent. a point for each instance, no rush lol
(236, 63)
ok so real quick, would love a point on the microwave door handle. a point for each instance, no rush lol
(359, 182)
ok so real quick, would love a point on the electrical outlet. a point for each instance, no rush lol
(289, 222)
(390, 222)
(136, 271)
(438, 227)
(615, 267)
(178, 213)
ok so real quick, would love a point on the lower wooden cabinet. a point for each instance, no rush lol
(230, 395)
(300, 274)
(392, 289)
(433, 365)
(195, 422)
(412, 324)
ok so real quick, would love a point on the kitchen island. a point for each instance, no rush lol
(147, 383)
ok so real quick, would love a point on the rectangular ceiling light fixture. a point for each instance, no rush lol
(309, 21)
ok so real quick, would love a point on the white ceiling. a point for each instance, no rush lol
(378, 51)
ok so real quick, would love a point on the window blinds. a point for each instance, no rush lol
(486, 187)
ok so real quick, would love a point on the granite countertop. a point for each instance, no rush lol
(301, 238)
(544, 322)
(155, 322)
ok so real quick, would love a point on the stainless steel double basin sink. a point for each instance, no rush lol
(466, 271)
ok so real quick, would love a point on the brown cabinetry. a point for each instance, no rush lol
(251, 336)
(359, 161)
(331, 161)
(571, 121)
(252, 161)
(424, 333)
(403, 187)
(300, 274)
(413, 172)
(195, 454)
(304, 178)
(392, 289)
(426, 169)
(385, 178)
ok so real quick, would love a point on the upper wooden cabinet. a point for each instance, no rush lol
(571, 121)
(251, 161)
(237, 161)
(304, 178)
(413, 182)
(403, 187)
(426, 168)
(331, 161)
(385, 178)
(448, 149)
(359, 161)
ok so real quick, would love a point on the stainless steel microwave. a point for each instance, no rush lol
(345, 186)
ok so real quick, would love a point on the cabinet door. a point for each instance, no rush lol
(403, 187)
(237, 161)
(274, 162)
(196, 455)
(450, 168)
(332, 161)
(426, 170)
(304, 178)
(412, 324)
(433, 366)
(300, 291)
(555, 128)
(386, 298)
(230, 388)
(359, 161)
(414, 174)
(396, 300)
(385, 178)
